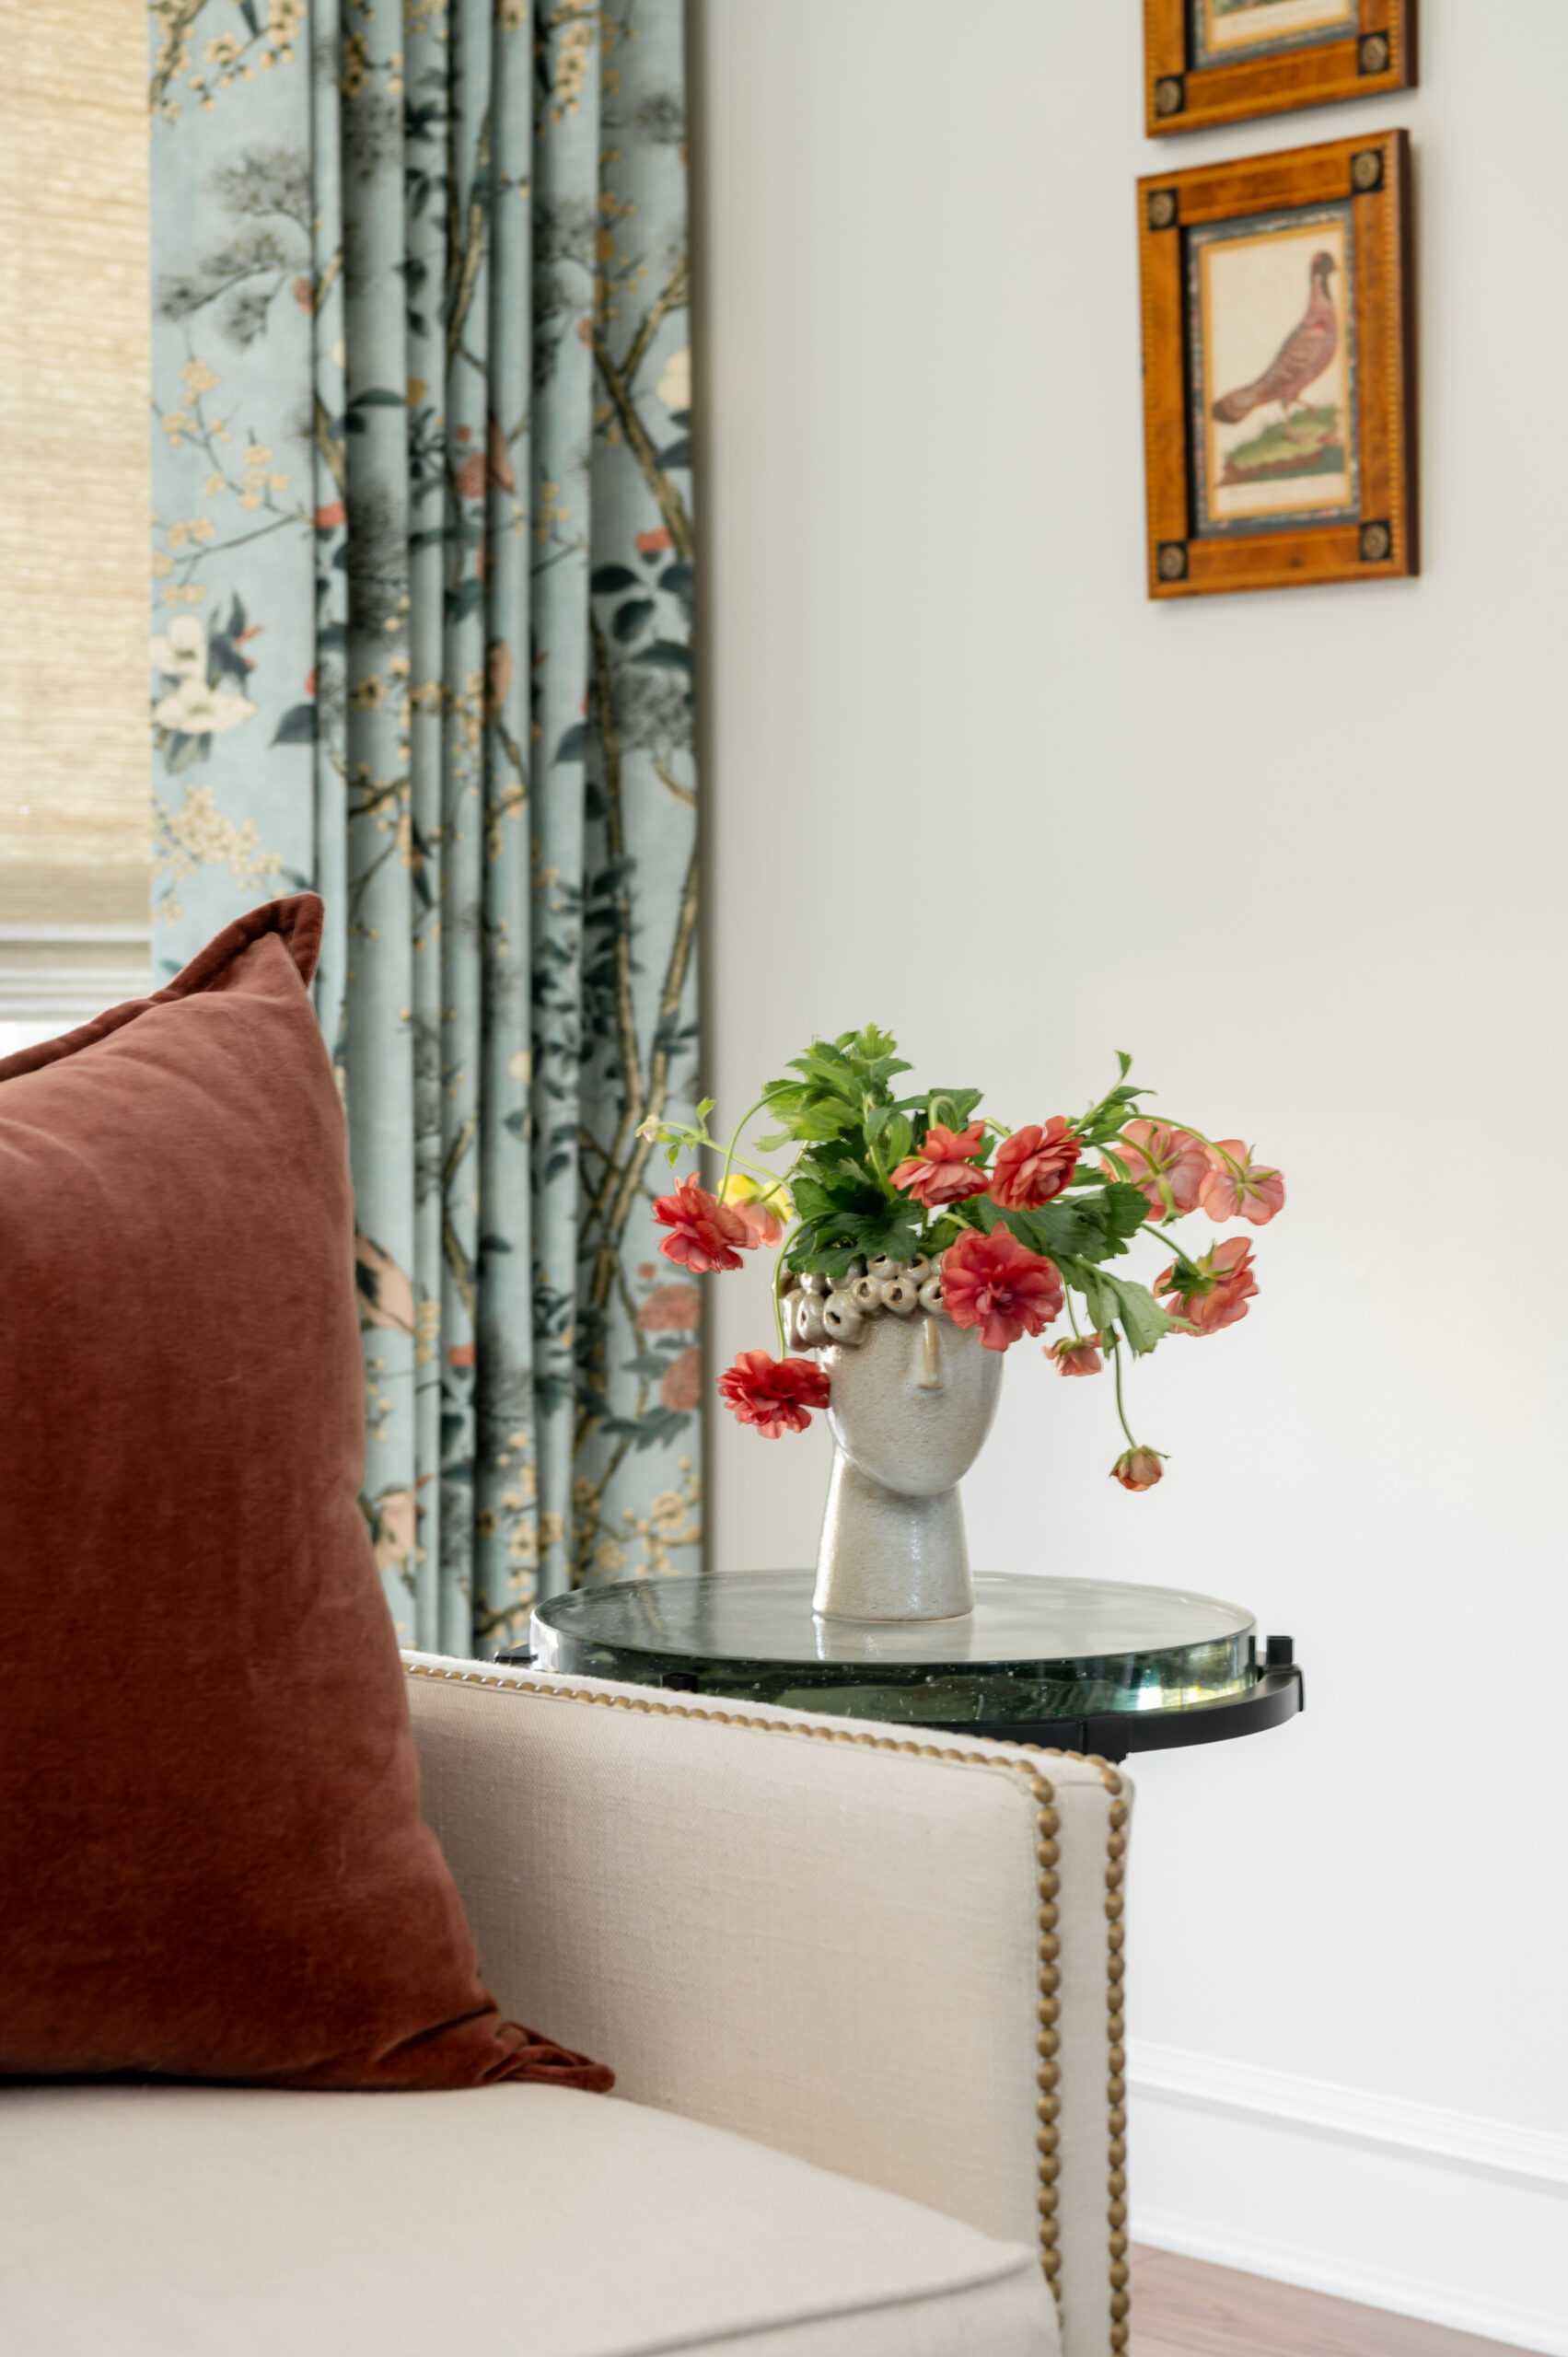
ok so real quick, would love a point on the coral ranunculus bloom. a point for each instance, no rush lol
(997, 1283)
(775, 1395)
(1075, 1354)
(1219, 1293)
(943, 1172)
(1033, 1164)
(764, 1210)
(1136, 1469)
(707, 1233)
(1238, 1186)
(1168, 1166)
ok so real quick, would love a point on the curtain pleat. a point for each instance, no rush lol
(423, 557)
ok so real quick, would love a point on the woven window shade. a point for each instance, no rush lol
(73, 768)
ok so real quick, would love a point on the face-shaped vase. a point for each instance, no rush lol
(911, 1403)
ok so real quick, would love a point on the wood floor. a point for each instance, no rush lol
(1183, 2309)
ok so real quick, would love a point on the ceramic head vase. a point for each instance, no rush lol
(912, 1397)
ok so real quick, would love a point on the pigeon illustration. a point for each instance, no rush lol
(1301, 358)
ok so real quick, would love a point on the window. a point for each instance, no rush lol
(74, 791)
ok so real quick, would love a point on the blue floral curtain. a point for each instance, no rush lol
(422, 564)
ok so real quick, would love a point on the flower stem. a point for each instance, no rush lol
(778, 1300)
(1116, 1370)
(734, 1140)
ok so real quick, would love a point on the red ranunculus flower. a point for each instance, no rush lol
(1237, 1184)
(706, 1231)
(1219, 1293)
(1168, 1166)
(942, 1172)
(775, 1395)
(1137, 1469)
(997, 1283)
(1075, 1354)
(1033, 1164)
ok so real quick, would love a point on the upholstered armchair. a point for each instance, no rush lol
(863, 1996)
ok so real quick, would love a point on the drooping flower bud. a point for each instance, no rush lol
(1137, 1469)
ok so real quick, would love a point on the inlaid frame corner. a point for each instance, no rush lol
(1279, 394)
(1208, 62)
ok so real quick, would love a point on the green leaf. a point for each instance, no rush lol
(901, 1138)
(952, 1105)
(1125, 1209)
(1117, 1298)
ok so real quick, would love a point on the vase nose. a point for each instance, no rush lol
(931, 1373)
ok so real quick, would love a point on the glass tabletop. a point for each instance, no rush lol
(1032, 1649)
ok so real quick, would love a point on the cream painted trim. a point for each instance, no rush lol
(1047, 1855)
(1531, 2156)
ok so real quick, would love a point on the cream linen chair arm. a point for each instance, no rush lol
(897, 1958)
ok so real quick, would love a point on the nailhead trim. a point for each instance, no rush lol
(1116, 2087)
(1047, 1855)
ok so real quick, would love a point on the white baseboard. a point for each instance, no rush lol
(1434, 2213)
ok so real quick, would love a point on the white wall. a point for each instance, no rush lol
(1302, 853)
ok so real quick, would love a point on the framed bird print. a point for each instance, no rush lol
(1227, 60)
(1278, 407)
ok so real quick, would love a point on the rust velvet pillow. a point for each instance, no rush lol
(212, 1859)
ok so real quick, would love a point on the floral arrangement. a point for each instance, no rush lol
(918, 1200)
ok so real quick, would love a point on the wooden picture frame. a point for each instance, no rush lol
(1229, 61)
(1264, 280)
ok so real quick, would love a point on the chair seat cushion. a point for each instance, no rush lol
(512, 2221)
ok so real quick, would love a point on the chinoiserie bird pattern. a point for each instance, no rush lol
(1301, 358)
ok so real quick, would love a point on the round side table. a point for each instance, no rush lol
(1094, 1665)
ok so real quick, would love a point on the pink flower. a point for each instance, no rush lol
(706, 1231)
(671, 1310)
(1168, 1166)
(468, 479)
(680, 1387)
(997, 1283)
(1238, 1186)
(942, 1171)
(1218, 1293)
(776, 1395)
(764, 1210)
(1033, 1164)
(328, 519)
(1136, 1469)
(653, 543)
(1075, 1354)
